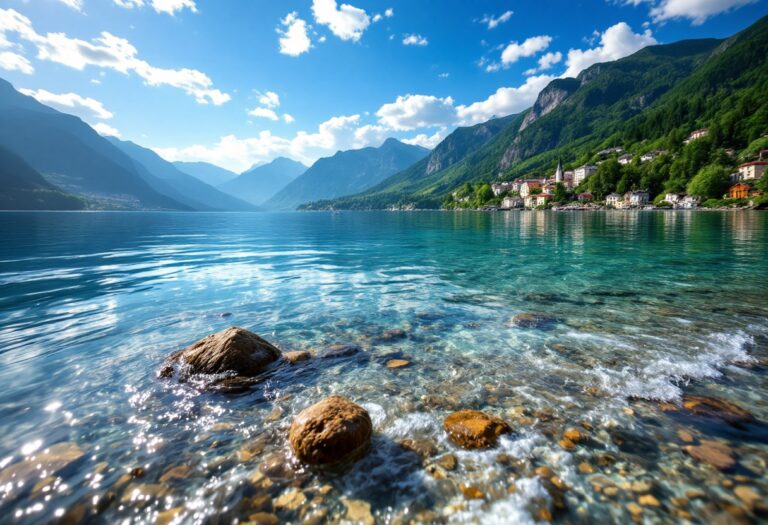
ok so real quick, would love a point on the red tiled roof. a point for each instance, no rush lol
(754, 163)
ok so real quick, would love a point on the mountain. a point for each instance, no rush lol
(263, 181)
(347, 172)
(25, 189)
(208, 173)
(651, 99)
(452, 150)
(167, 179)
(70, 155)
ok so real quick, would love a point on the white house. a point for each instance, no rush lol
(530, 201)
(512, 202)
(526, 187)
(636, 198)
(543, 198)
(696, 135)
(753, 170)
(614, 200)
(672, 198)
(581, 173)
(688, 202)
(652, 155)
(625, 159)
(501, 187)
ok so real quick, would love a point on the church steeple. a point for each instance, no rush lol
(559, 172)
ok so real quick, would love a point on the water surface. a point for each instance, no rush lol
(648, 306)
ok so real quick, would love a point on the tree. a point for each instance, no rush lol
(561, 195)
(711, 182)
(604, 181)
(484, 194)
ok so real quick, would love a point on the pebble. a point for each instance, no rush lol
(715, 453)
(359, 511)
(567, 444)
(586, 468)
(471, 492)
(648, 500)
(397, 363)
(176, 473)
(748, 495)
(575, 435)
(634, 509)
(685, 436)
(448, 462)
(263, 518)
(291, 500)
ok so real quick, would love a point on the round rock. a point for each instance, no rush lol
(472, 429)
(232, 350)
(335, 430)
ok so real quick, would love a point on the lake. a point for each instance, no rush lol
(641, 309)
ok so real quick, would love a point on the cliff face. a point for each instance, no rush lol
(456, 146)
(550, 97)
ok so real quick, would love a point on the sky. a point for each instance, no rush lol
(238, 82)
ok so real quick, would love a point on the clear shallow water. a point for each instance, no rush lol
(649, 306)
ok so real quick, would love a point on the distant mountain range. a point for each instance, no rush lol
(23, 188)
(208, 173)
(651, 99)
(263, 181)
(347, 172)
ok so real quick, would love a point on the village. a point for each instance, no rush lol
(566, 189)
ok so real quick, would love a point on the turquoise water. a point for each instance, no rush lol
(648, 306)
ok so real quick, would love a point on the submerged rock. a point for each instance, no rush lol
(473, 429)
(533, 321)
(717, 408)
(398, 363)
(297, 356)
(338, 351)
(234, 350)
(50, 460)
(335, 430)
(715, 453)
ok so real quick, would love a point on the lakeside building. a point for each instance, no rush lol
(625, 159)
(543, 198)
(614, 200)
(696, 135)
(530, 201)
(511, 203)
(501, 187)
(673, 198)
(581, 173)
(739, 191)
(753, 170)
(609, 151)
(528, 186)
(689, 202)
(586, 196)
(636, 198)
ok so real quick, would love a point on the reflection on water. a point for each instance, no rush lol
(649, 306)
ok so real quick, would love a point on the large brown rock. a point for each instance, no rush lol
(473, 429)
(233, 350)
(716, 453)
(717, 408)
(335, 430)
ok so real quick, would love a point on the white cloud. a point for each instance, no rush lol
(492, 22)
(547, 60)
(696, 10)
(11, 61)
(443, 75)
(389, 12)
(514, 51)
(269, 99)
(411, 112)
(377, 18)
(264, 113)
(415, 40)
(293, 36)
(108, 52)
(616, 42)
(505, 101)
(427, 141)
(288, 118)
(105, 129)
(170, 7)
(346, 21)
(77, 5)
(84, 107)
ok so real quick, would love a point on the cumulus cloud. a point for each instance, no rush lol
(84, 107)
(698, 11)
(105, 129)
(269, 99)
(505, 101)
(288, 118)
(388, 13)
(264, 113)
(108, 52)
(427, 141)
(415, 40)
(170, 7)
(616, 42)
(411, 112)
(77, 5)
(346, 21)
(11, 61)
(294, 39)
(493, 22)
(531, 46)
(546, 61)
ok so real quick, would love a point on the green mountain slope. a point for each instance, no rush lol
(23, 188)
(262, 182)
(167, 179)
(428, 171)
(346, 173)
(72, 156)
(650, 99)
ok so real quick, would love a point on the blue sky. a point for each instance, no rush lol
(239, 82)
